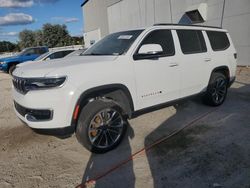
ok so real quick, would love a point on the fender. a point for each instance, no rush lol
(113, 91)
(223, 69)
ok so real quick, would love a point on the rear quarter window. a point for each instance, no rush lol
(218, 40)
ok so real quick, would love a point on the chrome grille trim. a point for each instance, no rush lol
(19, 84)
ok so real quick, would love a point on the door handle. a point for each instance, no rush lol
(207, 59)
(173, 64)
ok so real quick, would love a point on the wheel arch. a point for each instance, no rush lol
(222, 69)
(117, 92)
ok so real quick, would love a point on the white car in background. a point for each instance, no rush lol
(76, 53)
(57, 54)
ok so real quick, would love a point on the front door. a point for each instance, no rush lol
(157, 79)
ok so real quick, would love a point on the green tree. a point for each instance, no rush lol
(39, 38)
(56, 35)
(26, 38)
(50, 35)
(6, 46)
(77, 40)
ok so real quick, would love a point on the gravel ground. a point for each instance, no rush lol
(213, 152)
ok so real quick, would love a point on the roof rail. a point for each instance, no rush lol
(169, 24)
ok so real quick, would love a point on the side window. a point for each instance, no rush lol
(30, 52)
(41, 50)
(162, 37)
(191, 41)
(66, 52)
(218, 40)
(37, 51)
(56, 55)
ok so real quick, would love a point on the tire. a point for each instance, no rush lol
(217, 90)
(11, 69)
(97, 134)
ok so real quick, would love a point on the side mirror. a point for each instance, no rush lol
(149, 51)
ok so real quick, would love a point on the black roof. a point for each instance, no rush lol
(159, 24)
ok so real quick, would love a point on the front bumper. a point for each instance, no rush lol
(45, 109)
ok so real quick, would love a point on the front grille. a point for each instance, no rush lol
(19, 84)
(39, 115)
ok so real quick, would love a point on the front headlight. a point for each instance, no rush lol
(44, 83)
(1, 63)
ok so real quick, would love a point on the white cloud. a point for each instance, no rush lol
(16, 19)
(16, 3)
(64, 19)
(70, 20)
(23, 3)
(9, 34)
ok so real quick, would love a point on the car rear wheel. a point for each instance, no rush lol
(217, 90)
(101, 126)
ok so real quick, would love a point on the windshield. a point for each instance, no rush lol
(41, 56)
(114, 44)
(23, 51)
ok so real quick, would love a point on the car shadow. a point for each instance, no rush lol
(163, 159)
(176, 163)
(100, 164)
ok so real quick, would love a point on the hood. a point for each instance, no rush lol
(8, 59)
(43, 68)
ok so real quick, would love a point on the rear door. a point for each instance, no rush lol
(157, 79)
(195, 62)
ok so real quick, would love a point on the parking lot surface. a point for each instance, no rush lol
(213, 151)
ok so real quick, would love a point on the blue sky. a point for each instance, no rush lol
(17, 15)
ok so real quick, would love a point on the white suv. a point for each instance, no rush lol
(125, 72)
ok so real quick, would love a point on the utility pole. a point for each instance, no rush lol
(170, 7)
(223, 10)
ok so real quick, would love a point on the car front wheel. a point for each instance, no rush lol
(101, 126)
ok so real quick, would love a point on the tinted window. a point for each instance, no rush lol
(218, 40)
(162, 37)
(191, 41)
(56, 55)
(42, 50)
(67, 52)
(30, 51)
(37, 51)
(114, 44)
